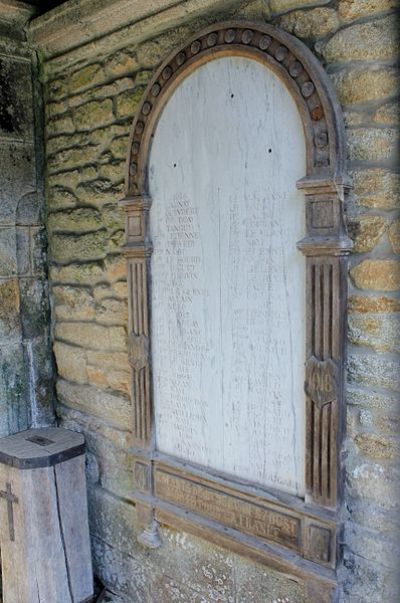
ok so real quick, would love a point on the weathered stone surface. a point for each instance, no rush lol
(98, 192)
(377, 331)
(394, 236)
(127, 102)
(111, 379)
(93, 114)
(113, 217)
(115, 241)
(281, 6)
(377, 447)
(75, 220)
(349, 10)
(71, 362)
(373, 481)
(34, 307)
(91, 336)
(14, 389)
(120, 64)
(72, 158)
(360, 304)
(254, 584)
(388, 114)
(374, 371)
(16, 116)
(8, 252)
(119, 147)
(67, 248)
(114, 171)
(372, 144)
(104, 360)
(357, 85)
(377, 39)
(9, 307)
(62, 125)
(366, 232)
(378, 275)
(89, 76)
(87, 273)
(311, 24)
(115, 410)
(377, 188)
(112, 311)
(73, 303)
(90, 273)
(386, 404)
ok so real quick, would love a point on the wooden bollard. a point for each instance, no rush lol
(44, 533)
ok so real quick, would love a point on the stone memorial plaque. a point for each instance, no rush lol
(228, 283)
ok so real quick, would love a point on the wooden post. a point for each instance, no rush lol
(44, 535)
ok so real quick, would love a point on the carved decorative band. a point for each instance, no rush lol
(322, 384)
(139, 349)
(276, 47)
(309, 537)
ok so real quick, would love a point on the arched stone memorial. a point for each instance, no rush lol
(236, 250)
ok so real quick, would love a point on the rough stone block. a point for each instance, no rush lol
(372, 144)
(93, 114)
(23, 244)
(374, 371)
(361, 304)
(377, 331)
(115, 411)
(72, 158)
(16, 106)
(63, 124)
(8, 252)
(310, 24)
(75, 220)
(119, 147)
(112, 311)
(18, 178)
(34, 307)
(394, 236)
(67, 248)
(127, 102)
(73, 303)
(378, 275)
(9, 308)
(89, 76)
(388, 115)
(377, 188)
(350, 10)
(71, 362)
(377, 39)
(60, 198)
(361, 85)
(116, 380)
(92, 336)
(120, 64)
(87, 273)
(281, 6)
(378, 446)
(366, 232)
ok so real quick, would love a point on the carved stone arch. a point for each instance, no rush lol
(289, 58)
(309, 528)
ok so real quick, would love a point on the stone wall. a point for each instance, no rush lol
(91, 93)
(26, 387)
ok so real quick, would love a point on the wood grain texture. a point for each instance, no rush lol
(227, 299)
(49, 558)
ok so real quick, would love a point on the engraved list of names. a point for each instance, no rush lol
(227, 282)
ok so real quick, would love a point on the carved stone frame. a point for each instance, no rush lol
(295, 536)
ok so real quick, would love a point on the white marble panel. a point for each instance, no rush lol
(227, 294)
